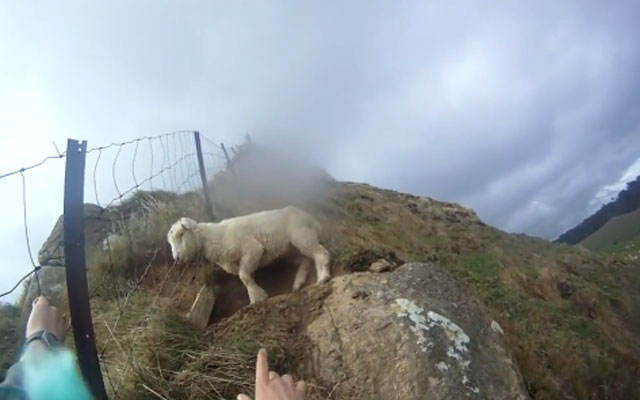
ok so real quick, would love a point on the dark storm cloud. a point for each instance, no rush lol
(523, 111)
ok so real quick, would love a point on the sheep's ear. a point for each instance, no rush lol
(187, 223)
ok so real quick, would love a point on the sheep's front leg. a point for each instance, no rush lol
(248, 266)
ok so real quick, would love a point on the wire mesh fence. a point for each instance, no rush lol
(147, 184)
(34, 266)
(131, 193)
(23, 274)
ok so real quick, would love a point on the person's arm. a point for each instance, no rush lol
(45, 370)
(270, 386)
(43, 317)
(13, 385)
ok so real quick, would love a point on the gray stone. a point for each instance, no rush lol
(381, 265)
(496, 327)
(417, 336)
(97, 225)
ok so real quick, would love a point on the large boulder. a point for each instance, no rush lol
(413, 333)
(97, 224)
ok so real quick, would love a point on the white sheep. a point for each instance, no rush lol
(241, 245)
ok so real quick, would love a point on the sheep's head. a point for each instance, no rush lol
(183, 239)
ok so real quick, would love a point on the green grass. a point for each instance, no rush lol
(629, 246)
(482, 266)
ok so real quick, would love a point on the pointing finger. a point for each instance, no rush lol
(262, 367)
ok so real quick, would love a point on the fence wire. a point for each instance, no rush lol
(143, 189)
(35, 267)
(140, 188)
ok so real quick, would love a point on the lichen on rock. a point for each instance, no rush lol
(423, 327)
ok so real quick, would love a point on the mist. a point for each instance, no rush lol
(261, 178)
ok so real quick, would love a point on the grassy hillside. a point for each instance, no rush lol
(571, 316)
(615, 234)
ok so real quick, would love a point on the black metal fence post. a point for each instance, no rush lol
(76, 268)
(226, 155)
(203, 177)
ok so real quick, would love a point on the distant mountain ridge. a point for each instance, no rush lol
(628, 200)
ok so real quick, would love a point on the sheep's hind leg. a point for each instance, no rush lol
(307, 243)
(301, 275)
(248, 266)
(321, 258)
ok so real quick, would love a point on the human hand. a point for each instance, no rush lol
(270, 386)
(45, 317)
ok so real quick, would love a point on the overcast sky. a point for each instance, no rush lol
(528, 113)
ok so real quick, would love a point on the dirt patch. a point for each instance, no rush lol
(181, 284)
(175, 282)
(362, 259)
(276, 279)
(278, 325)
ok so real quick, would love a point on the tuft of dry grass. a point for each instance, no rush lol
(151, 352)
(140, 239)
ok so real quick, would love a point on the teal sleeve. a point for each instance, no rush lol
(51, 375)
(11, 387)
(54, 376)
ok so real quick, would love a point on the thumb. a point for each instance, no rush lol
(243, 397)
(40, 300)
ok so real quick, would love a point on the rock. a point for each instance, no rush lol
(202, 307)
(495, 326)
(362, 260)
(381, 265)
(418, 336)
(97, 224)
